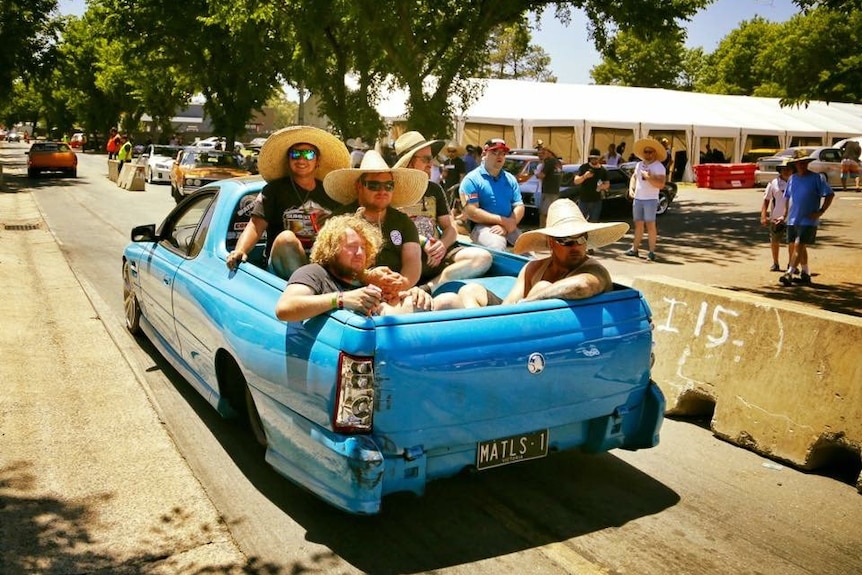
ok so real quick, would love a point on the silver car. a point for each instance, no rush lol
(827, 160)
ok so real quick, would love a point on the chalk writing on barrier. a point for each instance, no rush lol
(706, 325)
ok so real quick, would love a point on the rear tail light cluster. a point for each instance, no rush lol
(354, 403)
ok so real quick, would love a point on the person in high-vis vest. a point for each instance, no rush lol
(124, 154)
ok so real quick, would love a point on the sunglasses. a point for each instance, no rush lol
(571, 240)
(306, 154)
(376, 186)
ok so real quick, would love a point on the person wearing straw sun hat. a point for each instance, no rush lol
(647, 180)
(376, 191)
(566, 273)
(293, 204)
(443, 259)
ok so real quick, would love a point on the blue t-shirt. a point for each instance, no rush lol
(495, 195)
(804, 193)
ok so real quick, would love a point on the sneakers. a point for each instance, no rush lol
(805, 278)
(775, 268)
(632, 252)
(651, 256)
(786, 279)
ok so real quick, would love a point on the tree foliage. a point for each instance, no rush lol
(29, 32)
(632, 61)
(511, 55)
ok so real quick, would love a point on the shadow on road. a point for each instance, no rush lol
(458, 520)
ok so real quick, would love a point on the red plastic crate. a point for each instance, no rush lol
(725, 176)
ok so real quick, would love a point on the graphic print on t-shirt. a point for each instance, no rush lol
(305, 221)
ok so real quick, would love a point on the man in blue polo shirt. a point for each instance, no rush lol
(492, 199)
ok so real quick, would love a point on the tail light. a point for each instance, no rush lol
(354, 395)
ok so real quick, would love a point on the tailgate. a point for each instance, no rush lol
(446, 379)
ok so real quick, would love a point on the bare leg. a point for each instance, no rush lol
(639, 234)
(287, 254)
(774, 246)
(468, 263)
(473, 295)
(652, 235)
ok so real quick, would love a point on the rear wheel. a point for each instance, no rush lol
(32, 172)
(253, 418)
(663, 203)
(130, 302)
(235, 389)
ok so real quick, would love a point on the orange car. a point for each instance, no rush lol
(51, 157)
(197, 167)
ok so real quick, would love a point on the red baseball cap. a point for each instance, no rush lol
(496, 144)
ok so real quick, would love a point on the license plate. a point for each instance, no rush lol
(513, 449)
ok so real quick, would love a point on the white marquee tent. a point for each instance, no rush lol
(572, 118)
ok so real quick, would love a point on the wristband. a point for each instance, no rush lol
(334, 302)
(425, 243)
(340, 299)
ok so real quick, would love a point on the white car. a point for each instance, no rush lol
(160, 160)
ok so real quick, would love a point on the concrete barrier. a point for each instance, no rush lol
(132, 177)
(784, 380)
(113, 170)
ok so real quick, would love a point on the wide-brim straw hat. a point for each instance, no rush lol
(565, 219)
(409, 143)
(410, 184)
(272, 162)
(660, 152)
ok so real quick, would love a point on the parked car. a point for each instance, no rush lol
(196, 167)
(356, 407)
(619, 178)
(160, 160)
(213, 140)
(13, 137)
(51, 157)
(827, 160)
(523, 167)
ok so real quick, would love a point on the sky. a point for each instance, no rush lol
(572, 53)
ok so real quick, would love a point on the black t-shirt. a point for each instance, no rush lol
(424, 214)
(553, 174)
(316, 277)
(588, 192)
(286, 206)
(397, 230)
(455, 168)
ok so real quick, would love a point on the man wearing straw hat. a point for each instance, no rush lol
(293, 204)
(647, 180)
(375, 190)
(566, 273)
(443, 259)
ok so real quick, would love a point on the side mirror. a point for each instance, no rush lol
(145, 233)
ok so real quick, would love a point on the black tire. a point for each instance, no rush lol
(130, 302)
(663, 203)
(32, 173)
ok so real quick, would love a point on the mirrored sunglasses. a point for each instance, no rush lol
(571, 240)
(306, 154)
(376, 186)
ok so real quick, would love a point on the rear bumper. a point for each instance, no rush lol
(353, 473)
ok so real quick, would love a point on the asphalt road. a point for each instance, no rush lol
(694, 504)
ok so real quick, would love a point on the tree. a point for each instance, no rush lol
(512, 56)
(816, 57)
(29, 32)
(631, 61)
(737, 65)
